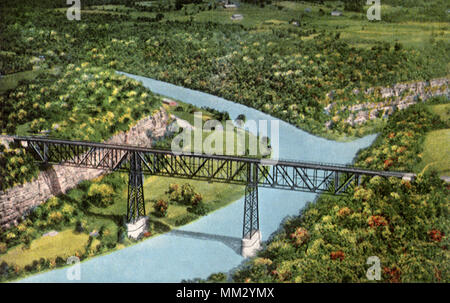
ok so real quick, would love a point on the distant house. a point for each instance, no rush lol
(336, 13)
(227, 4)
(237, 17)
(307, 10)
(169, 102)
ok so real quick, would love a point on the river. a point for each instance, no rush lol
(212, 243)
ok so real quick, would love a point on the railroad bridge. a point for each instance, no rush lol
(251, 172)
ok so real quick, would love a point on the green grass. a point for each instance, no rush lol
(215, 196)
(65, 244)
(442, 110)
(436, 154)
(11, 81)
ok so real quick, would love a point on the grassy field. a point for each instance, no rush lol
(215, 196)
(436, 154)
(65, 244)
(355, 28)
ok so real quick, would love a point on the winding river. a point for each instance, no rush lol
(212, 243)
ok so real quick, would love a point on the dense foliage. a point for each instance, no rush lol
(16, 166)
(88, 103)
(277, 71)
(405, 224)
(80, 102)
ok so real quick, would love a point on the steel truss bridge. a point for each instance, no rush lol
(250, 172)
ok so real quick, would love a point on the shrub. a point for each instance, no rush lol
(217, 277)
(196, 199)
(44, 263)
(161, 208)
(3, 247)
(185, 219)
(59, 261)
(187, 192)
(174, 192)
(79, 226)
(67, 210)
(10, 236)
(199, 209)
(4, 268)
(300, 236)
(337, 255)
(55, 217)
(52, 203)
(354, 5)
(173, 187)
(101, 195)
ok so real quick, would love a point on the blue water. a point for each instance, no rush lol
(211, 244)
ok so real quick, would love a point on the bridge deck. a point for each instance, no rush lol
(289, 163)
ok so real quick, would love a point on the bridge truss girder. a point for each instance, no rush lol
(252, 173)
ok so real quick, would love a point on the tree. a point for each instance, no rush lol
(187, 192)
(101, 194)
(354, 5)
(178, 4)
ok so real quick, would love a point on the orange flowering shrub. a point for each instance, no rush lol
(300, 236)
(337, 255)
(375, 221)
(436, 235)
(393, 274)
(343, 212)
(161, 207)
(388, 163)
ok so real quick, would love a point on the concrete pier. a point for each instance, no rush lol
(251, 246)
(137, 228)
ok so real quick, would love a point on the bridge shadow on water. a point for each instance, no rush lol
(232, 242)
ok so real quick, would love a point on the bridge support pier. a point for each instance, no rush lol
(251, 235)
(136, 218)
